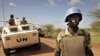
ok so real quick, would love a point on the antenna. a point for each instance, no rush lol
(3, 11)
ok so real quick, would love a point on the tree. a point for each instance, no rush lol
(95, 13)
(48, 29)
(95, 26)
(56, 32)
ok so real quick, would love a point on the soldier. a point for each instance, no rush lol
(24, 21)
(73, 41)
(11, 20)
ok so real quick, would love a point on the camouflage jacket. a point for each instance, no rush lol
(24, 22)
(66, 33)
(11, 21)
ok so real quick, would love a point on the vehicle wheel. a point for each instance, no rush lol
(38, 45)
(6, 51)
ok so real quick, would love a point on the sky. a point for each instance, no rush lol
(41, 12)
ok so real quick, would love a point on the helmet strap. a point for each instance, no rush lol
(72, 28)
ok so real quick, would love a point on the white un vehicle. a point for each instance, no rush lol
(18, 36)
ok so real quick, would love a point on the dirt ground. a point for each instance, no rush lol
(48, 46)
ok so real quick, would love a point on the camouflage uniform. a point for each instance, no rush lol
(24, 21)
(65, 40)
(11, 21)
(59, 45)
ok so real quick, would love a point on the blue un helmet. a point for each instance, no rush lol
(72, 11)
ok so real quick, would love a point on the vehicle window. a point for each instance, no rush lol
(25, 27)
(13, 30)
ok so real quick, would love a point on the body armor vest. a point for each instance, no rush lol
(73, 46)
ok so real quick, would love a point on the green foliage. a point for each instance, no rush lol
(95, 37)
(87, 29)
(95, 26)
(50, 31)
(49, 27)
(56, 31)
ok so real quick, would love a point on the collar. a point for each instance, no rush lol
(69, 34)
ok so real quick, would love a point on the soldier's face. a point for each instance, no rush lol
(75, 19)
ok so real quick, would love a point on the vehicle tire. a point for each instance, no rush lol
(6, 51)
(38, 45)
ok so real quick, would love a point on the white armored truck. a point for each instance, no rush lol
(18, 36)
